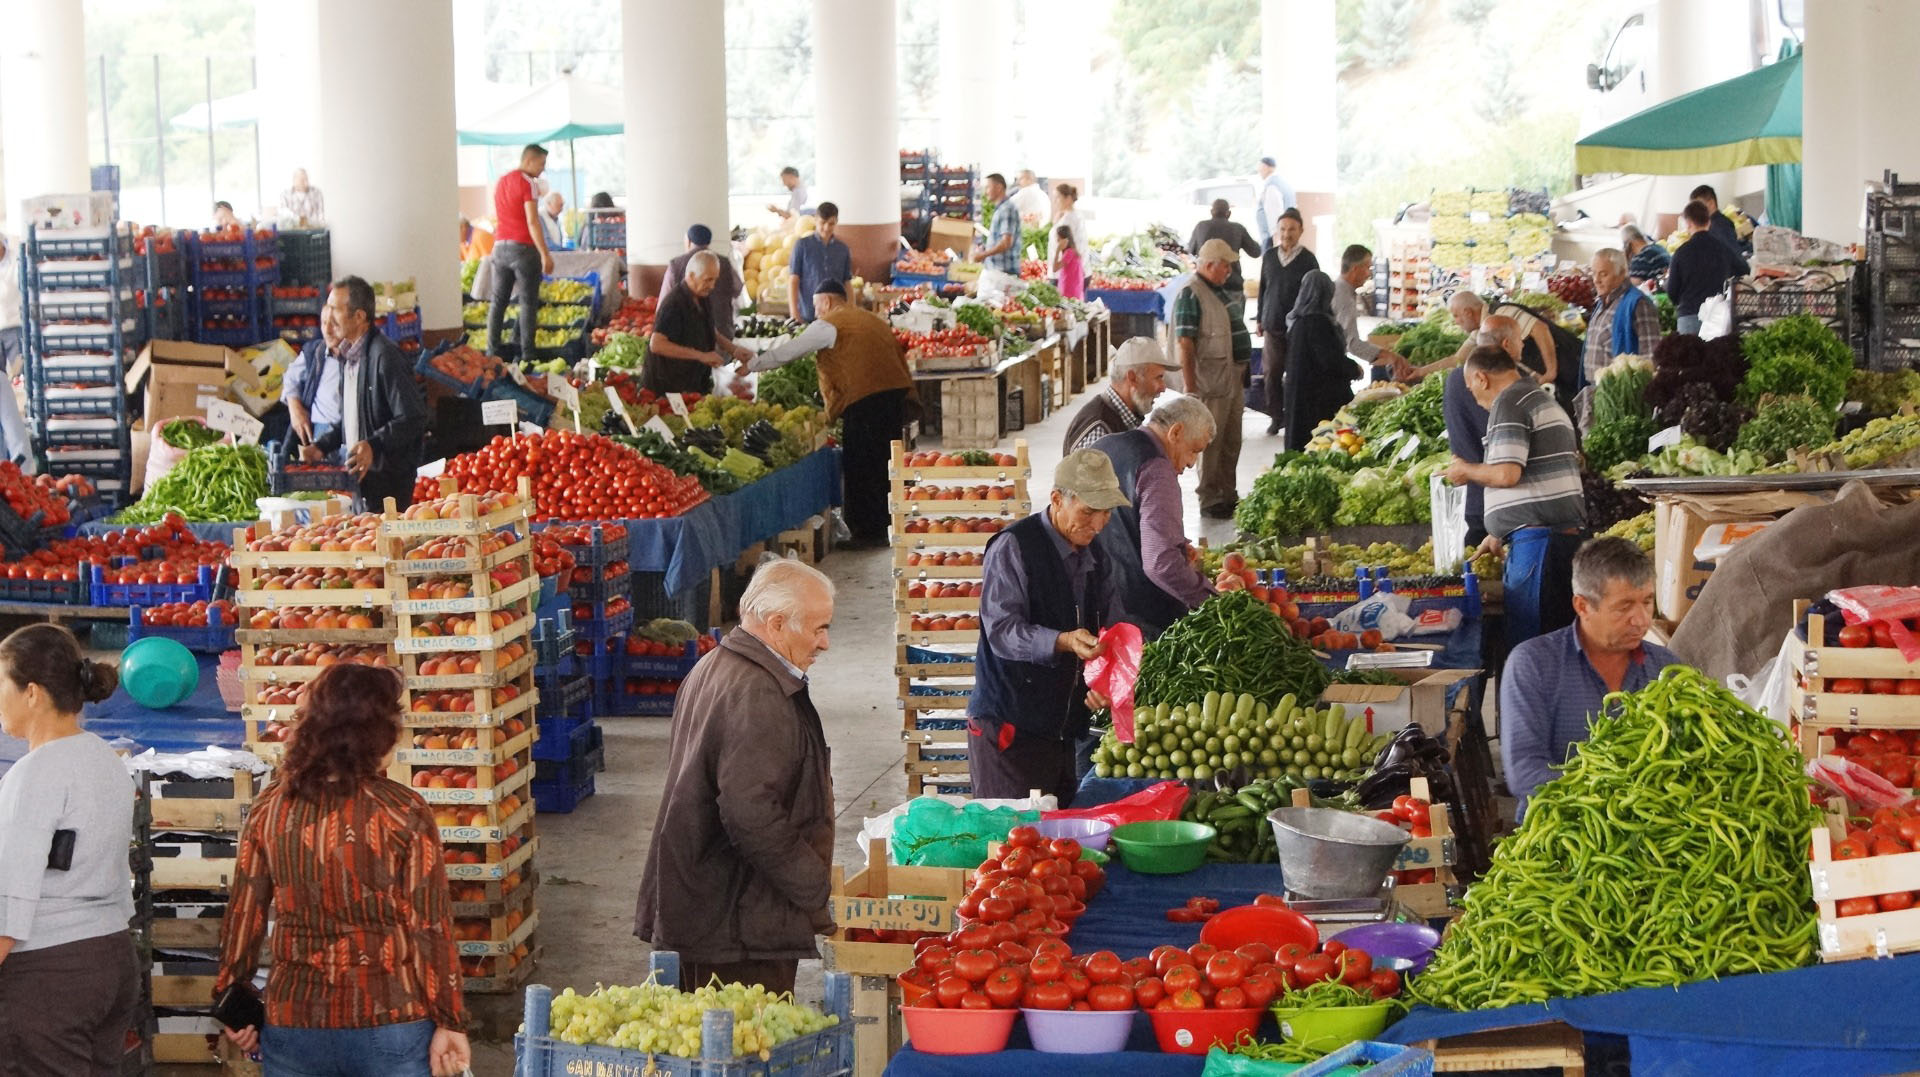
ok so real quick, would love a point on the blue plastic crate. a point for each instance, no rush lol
(667, 666)
(554, 798)
(1381, 1060)
(230, 338)
(101, 369)
(563, 738)
(569, 698)
(571, 770)
(57, 306)
(102, 593)
(424, 367)
(604, 628)
(55, 245)
(401, 325)
(533, 407)
(827, 1053)
(599, 549)
(914, 280)
(209, 638)
(553, 638)
(598, 588)
(103, 338)
(283, 480)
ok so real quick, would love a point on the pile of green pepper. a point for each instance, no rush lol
(1673, 849)
(209, 485)
(1232, 644)
(188, 434)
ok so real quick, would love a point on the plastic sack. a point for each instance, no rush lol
(1114, 672)
(936, 833)
(1862, 787)
(1222, 1063)
(1385, 613)
(161, 457)
(1879, 602)
(1770, 689)
(1157, 802)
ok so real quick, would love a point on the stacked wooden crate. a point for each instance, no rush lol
(195, 826)
(941, 526)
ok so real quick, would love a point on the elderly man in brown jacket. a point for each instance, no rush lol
(737, 874)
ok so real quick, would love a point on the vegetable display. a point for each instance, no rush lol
(1799, 354)
(1883, 392)
(1432, 339)
(1224, 732)
(576, 477)
(1232, 643)
(1882, 439)
(792, 385)
(1783, 424)
(622, 351)
(1239, 813)
(1296, 496)
(658, 1018)
(1383, 495)
(1621, 392)
(1614, 441)
(1419, 412)
(210, 484)
(1673, 848)
(189, 434)
(1682, 360)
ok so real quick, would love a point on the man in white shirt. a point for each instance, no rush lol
(1276, 197)
(1031, 199)
(796, 195)
(1356, 269)
(15, 444)
(302, 203)
(551, 208)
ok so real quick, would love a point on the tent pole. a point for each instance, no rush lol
(573, 165)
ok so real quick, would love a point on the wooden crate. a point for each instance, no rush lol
(503, 975)
(499, 866)
(504, 936)
(888, 897)
(1879, 934)
(466, 518)
(216, 814)
(491, 787)
(1440, 898)
(878, 1031)
(904, 665)
(1816, 667)
(1550, 1046)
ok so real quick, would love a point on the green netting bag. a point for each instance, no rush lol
(937, 834)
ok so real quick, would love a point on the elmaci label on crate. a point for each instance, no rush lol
(893, 914)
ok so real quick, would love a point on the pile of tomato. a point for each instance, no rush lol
(177, 557)
(1415, 816)
(941, 342)
(1890, 832)
(190, 614)
(641, 647)
(551, 558)
(577, 477)
(1891, 753)
(31, 502)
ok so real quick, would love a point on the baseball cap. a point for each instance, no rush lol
(1140, 351)
(1268, 161)
(1217, 250)
(1088, 475)
(831, 287)
(699, 235)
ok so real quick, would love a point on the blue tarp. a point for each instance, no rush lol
(200, 720)
(1134, 301)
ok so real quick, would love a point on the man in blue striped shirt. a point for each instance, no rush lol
(1553, 685)
(1002, 249)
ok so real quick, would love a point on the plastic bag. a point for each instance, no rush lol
(1222, 1063)
(1115, 670)
(1386, 613)
(1157, 802)
(939, 834)
(881, 826)
(1892, 605)
(1862, 787)
(1770, 689)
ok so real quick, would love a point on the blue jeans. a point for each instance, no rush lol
(1687, 323)
(1539, 582)
(381, 1051)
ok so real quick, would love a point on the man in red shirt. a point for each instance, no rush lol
(519, 251)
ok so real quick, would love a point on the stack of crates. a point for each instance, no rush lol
(306, 270)
(163, 304)
(606, 230)
(232, 278)
(139, 1055)
(570, 749)
(598, 597)
(83, 329)
(1893, 262)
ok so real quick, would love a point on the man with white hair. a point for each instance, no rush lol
(1044, 603)
(739, 869)
(1030, 198)
(1624, 320)
(1214, 349)
(552, 226)
(302, 203)
(1135, 379)
(726, 289)
(1152, 563)
(684, 345)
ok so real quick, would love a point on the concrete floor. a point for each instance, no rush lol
(590, 861)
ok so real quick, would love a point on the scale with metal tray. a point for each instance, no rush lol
(1347, 912)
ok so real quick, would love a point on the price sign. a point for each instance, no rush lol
(659, 426)
(562, 390)
(499, 412)
(1412, 446)
(1480, 216)
(230, 418)
(433, 470)
(1670, 436)
(678, 403)
(620, 409)
(532, 430)
(893, 914)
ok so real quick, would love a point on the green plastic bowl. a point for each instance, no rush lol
(1333, 1027)
(1164, 847)
(158, 672)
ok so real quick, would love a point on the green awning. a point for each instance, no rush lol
(1753, 119)
(567, 107)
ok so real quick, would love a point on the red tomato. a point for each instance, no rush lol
(1230, 998)
(1383, 983)
(1103, 967)
(1186, 1000)
(1882, 686)
(1882, 633)
(1354, 967)
(1047, 996)
(1004, 988)
(948, 990)
(1314, 969)
(1168, 958)
(1846, 686)
(1259, 991)
(1862, 906)
(1149, 992)
(1108, 996)
(974, 966)
(1181, 978)
(1894, 902)
(1046, 968)
(1226, 969)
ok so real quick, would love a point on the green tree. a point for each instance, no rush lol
(1165, 41)
(1216, 128)
(1386, 32)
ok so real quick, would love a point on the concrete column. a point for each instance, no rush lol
(976, 103)
(857, 126)
(676, 115)
(360, 93)
(1682, 65)
(1854, 106)
(1299, 124)
(43, 102)
(1065, 52)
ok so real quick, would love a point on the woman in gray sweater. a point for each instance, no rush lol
(68, 977)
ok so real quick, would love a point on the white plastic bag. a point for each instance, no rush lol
(1770, 689)
(1449, 509)
(1387, 613)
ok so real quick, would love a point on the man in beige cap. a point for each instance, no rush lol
(1135, 379)
(1045, 601)
(1214, 348)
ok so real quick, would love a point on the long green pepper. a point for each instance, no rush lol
(1671, 849)
(1231, 643)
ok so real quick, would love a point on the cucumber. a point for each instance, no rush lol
(1210, 707)
(1243, 709)
(1161, 712)
(1286, 705)
(1356, 733)
(1260, 711)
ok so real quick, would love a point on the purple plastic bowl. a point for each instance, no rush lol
(1414, 942)
(1090, 833)
(1079, 1032)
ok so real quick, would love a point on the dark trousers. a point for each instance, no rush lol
(774, 975)
(1273, 364)
(514, 263)
(1021, 766)
(1539, 582)
(378, 486)
(66, 1009)
(871, 424)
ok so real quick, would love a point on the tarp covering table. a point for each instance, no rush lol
(200, 720)
(1128, 301)
(1837, 1020)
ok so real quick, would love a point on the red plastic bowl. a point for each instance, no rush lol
(958, 1032)
(911, 992)
(1232, 928)
(1195, 1032)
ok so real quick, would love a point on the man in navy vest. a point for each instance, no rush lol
(1044, 602)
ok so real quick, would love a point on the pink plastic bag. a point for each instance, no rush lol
(1157, 802)
(1862, 787)
(1114, 672)
(1891, 605)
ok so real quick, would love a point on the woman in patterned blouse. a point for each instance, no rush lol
(364, 977)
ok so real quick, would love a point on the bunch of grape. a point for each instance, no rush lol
(663, 1020)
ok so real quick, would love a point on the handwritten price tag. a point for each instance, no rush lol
(893, 914)
(620, 409)
(230, 418)
(1670, 436)
(563, 391)
(678, 403)
(499, 412)
(658, 426)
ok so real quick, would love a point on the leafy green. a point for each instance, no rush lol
(623, 351)
(1040, 293)
(1621, 392)
(1298, 495)
(1796, 355)
(979, 318)
(1784, 424)
(1883, 392)
(1380, 496)
(791, 385)
(1616, 440)
(1434, 338)
(1419, 412)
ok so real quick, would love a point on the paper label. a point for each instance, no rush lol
(562, 390)
(433, 470)
(1480, 216)
(659, 426)
(893, 914)
(532, 430)
(1670, 436)
(1412, 446)
(230, 418)
(678, 403)
(499, 412)
(620, 409)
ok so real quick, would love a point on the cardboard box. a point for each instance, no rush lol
(1679, 523)
(1421, 699)
(182, 377)
(952, 232)
(85, 212)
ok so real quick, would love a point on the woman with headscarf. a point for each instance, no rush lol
(1319, 378)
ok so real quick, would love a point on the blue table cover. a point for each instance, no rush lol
(1128, 301)
(200, 720)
